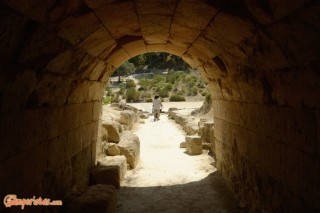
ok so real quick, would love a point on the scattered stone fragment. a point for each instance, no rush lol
(119, 161)
(128, 118)
(129, 146)
(110, 170)
(112, 150)
(114, 129)
(194, 145)
(183, 145)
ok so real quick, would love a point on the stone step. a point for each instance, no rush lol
(110, 170)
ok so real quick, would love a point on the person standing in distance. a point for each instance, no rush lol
(156, 105)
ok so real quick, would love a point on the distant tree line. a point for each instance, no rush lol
(149, 61)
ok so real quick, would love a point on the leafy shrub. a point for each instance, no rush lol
(201, 85)
(208, 98)
(111, 99)
(194, 90)
(132, 95)
(130, 83)
(204, 93)
(176, 98)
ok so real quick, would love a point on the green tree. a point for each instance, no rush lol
(125, 69)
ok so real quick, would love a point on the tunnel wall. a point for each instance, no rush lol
(266, 114)
(50, 109)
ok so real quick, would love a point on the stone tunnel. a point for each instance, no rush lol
(260, 59)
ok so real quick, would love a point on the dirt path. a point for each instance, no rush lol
(169, 180)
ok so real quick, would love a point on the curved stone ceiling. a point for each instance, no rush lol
(115, 31)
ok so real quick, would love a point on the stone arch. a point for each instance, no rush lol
(260, 58)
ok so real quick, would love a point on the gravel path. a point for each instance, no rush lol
(169, 180)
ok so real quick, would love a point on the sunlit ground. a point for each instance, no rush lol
(162, 162)
(167, 180)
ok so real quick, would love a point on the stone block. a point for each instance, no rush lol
(134, 48)
(97, 70)
(97, 198)
(154, 24)
(108, 175)
(120, 18)
(191, 128)
(114, 129)
(117, 57)
(106, 74)
(127, 118)
(75, 29)
(163, 7)
(129, 146)
(86, 110)
(97, 106)
(74, 142)
(93, 91)
(58, 147)
(118, 161)
(156, 47)
(157, 39)
(86, 134)
(72, 115)
(194, 145)
(195, 16)
(183, 145)
(112, 150)
(175, 49)
(99, 42)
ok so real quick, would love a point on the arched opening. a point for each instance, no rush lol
(56, 58)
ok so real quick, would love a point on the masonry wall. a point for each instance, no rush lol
(50, 109)
(266, 114)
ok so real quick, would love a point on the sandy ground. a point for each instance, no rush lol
(166, 178)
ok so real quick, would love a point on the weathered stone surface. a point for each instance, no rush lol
(114, 129)
(163, 7)
(100, 42)
(172, 109)
(183, 145)
(191, 128)
(75, 29)
(112, 150)
(108, 175)
(174, 49)
(207, 132)
(128, 118)
(194, 145)
(195, 16)
(97, 198)
(120, 18)
(144, 115)
(119, 161)
(117, 57)
(129, 146)
(135, 47)
(154, 24)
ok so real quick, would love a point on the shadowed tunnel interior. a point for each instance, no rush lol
(260, 59)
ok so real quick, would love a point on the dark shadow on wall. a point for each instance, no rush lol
(207, 195)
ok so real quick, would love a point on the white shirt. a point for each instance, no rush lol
(156, 103)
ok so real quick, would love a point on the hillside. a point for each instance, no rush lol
(169, 85)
